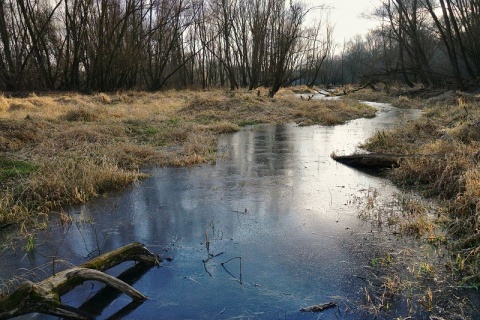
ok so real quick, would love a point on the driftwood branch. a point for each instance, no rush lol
(44, 296)
(132, 252)
(105, 296)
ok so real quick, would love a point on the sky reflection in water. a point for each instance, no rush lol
(276, 199)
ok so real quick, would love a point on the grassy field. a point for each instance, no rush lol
(60, 149)
(447, 137)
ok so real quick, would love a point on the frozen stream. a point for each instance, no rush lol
(276, 199)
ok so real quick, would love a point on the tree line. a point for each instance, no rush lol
(431, 42)
(105, 45)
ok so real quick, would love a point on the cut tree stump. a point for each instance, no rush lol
(44, 296)
(372, 161)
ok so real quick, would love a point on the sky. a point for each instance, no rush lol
(346, 16)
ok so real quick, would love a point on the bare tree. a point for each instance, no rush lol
(284, 35)
(114, 44)
(7, 59)
(447, 36)
(318, 47)
(466, 15)
(37, 19)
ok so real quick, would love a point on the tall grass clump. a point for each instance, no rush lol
(367, 95)
(11, 210)
(65, 182)
(16, 135)
(4, 104)
(81, 114)
(21, 105)
(437, 174)
(329, 112)
(405, 139)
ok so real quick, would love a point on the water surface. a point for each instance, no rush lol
(275, 201)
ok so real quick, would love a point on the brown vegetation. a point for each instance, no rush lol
(450, 130)
(62, 149)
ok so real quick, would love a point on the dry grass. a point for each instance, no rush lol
(81, 114)
(332, 112)
(78, 146)
(398, 96)
(415, 219)
(406, 139)
(448, 135)
(368, 95)
(4, 104)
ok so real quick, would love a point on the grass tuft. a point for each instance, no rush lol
(21, 106)
(80, 114)
(73, 181)
(13, 168)
(4, 104)
(16, 135)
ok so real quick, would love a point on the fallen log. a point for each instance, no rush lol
(44, 296)
(372, 161)
(105, 296)
(132, 252)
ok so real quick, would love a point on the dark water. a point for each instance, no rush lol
(276, 200)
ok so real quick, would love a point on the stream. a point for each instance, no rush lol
(280, 218)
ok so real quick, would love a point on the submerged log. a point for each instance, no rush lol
(44, 296)
(372, 161)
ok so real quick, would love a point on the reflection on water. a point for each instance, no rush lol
(276, 199)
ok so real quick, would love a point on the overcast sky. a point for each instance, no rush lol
(346, 16)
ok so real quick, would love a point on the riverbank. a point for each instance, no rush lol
(59, 149)
(397, 275)
(276, 186)
(447, 138)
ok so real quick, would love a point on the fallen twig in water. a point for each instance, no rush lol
(211, 256)
(224, 263)
(242, 212)
(220, 313)
(208, 259)
(205, 267)
(319, 307)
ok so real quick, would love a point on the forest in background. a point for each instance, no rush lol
(109, 45)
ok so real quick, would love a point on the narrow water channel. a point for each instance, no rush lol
(278, 212)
